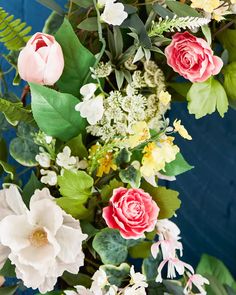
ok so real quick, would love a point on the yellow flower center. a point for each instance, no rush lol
(38, 238)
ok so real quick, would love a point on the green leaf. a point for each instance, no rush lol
(149, 267)
(10, 290)
(107, 190)
(118, 40)
(162, 11)
(22, 148)
(78, 60)
(228, 39)
(76, 279)
(77, 147)
(111, 247)
(30, 188)
(167, 200)
(83, 3)
(215, 287)
(207, 33)
(55, 112)
(131, 176)
(216, 268)
(15, 112)
(51, 4)
(173, 287)
(177, 167)
(89, 24)
(53, 23)
(123, 157)
(76, 188)
(116, 274)
(142, 250)
(8, 270)
(180, 88)
(9, 169)
(3, 153)
(89, 229)
(230, 83)
(182, 9)
(205, 97)
(229, 290)
(119, 78)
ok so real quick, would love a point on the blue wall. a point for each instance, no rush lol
(208, 214)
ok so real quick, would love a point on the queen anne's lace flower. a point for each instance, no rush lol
(43, 242)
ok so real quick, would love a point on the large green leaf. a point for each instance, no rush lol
(167, 200)
(205, 97)
(112, 248)
(212, 266)
(228, 39)
(78, 60)
(55, 113)
(22, 148)
(177, 167)
(230, 82)
(15, 112)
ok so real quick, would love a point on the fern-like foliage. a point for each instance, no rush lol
(13, 32)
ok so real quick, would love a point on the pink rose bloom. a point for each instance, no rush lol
(41, 61)
(132, 212)
(192, 57)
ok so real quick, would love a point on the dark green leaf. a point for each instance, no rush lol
(30, 187)
(3, 153)
(75, 280)
(149, 268)
(9, 169)
(8, 270)
(230, 82)
(55, 113)
(131, 176)
(78, 60)
(77, 147)
(182, 9)
(116, 274)
(53, 23)
(142, 250)
(89, 229)
(89, 24)
(228, 39)
(83, 3)
(107, 190)
(51, 4)
(162, 11)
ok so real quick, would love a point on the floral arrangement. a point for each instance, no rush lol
(94, 216)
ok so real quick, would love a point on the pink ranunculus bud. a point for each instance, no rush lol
(132, 212)
(192, 57)
(41, 61)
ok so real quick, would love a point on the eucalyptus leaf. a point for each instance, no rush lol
(55, 112)
(205, 97)
(78, 60)
(89, 24)
(182, 9)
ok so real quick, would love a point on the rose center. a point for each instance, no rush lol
(38, 238)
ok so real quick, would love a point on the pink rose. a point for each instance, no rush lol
(192, 57)
(132, 212)
(41, 61)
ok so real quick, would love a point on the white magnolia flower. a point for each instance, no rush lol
(65, 160)
(43, 159)
(91, 109)
(44, 242)
(197, 280)
(114, 13)
(49, 177)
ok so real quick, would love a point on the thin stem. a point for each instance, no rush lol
(70, 9)
(91, 262)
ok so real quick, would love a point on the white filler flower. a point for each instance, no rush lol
(43, 242)
(114, 13)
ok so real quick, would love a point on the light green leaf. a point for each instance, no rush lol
(111, 247)
(177, 167)
(205, 97)
(30, 188)
(78, 60)
(207, 33)
(55, 112)
(182, 9)
(230, 83)
(15, 112)
(116, 274)
(89, 24)
(142, 250)
(107, 190)
(77, 147)
(131, 176)
(9, 169)
(119, 78)
(167, 200)
(22, 148)
(215, 268)
(215, 287)
(228, 39)
(74, 207)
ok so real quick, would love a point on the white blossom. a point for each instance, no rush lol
(43, 159)
(48, 139)
(114, 13)
(197, 280)
(49, 177)
(137, 279)
(43, 241)
(65, 160)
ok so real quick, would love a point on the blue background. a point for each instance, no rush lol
(208, 214)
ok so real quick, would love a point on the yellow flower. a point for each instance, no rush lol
(106, 164)
(164, 97)
(206, 5)
(181, 130)
(140, 134)
(156, 156)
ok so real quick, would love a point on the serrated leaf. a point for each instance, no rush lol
(111, 247)
(167, 200)
(55, 112)
(177, 167)
(78, 60)
(205, 97)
